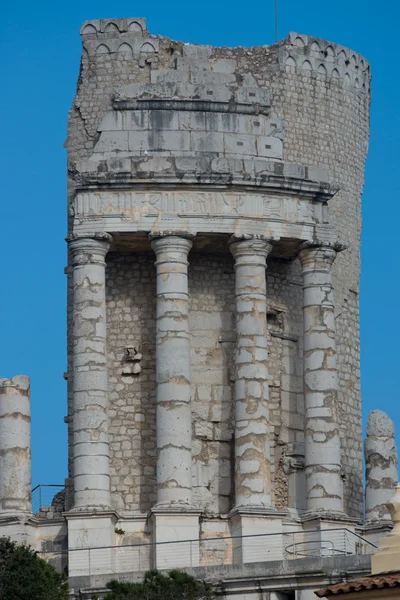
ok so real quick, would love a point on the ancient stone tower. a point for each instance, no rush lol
(214, 409)
(214, 206)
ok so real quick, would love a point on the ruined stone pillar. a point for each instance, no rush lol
(15, 446)
(324, 486)
(381, 466)
(174, 420)
(91, 469)
(252, 443)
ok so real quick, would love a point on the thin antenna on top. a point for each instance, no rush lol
(276, 19)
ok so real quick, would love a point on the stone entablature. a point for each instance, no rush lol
(203, 211)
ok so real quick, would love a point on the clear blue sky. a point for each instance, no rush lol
(40, 52)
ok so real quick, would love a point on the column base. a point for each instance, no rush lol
(175, 536)
(327, 533)
(19, 527)
(257, 533)
(323, 515)
(91, 542)
(95, 509)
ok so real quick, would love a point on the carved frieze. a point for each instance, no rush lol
(201, 211)
(89, 205)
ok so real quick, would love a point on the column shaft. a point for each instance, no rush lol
(174, 420)
(324, 485)
(252, 441)
(15, 446)
(91, 469)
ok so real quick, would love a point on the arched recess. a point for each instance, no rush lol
(111, 28)
(126, 51)
(102, 49)
(147, 47)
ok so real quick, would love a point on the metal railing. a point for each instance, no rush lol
(210, 551)
(48, 496)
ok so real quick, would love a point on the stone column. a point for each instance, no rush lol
(381, 466)
(174, 420)
(91, 469)
(324, 487)
(15, 446)
(252, 443)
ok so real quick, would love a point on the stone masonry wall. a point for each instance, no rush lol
(321, 92)
(131, 323)
(211, 321)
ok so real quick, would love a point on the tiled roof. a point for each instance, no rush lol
(372, 582)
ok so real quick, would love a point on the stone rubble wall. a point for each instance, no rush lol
(131, 323)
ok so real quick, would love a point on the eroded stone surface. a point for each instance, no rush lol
(381, 465)
(174, 417)
(323, 464)
(252, 428)
(90, 449)
(15, 446)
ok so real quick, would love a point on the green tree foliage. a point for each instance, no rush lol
(157, 586)
(25, 576)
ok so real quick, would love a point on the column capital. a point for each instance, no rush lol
(166, 233)
(249, 245)
(88, 248)
(317, 255)
(171, 241)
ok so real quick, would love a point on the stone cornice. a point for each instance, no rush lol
(275, 185)
(190, 105)
(271, 176)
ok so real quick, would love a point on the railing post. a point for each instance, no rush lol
(90, 569)
(40, 498)
(294, 546)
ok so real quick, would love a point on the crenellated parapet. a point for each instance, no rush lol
(325, 58)
(127, 37)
